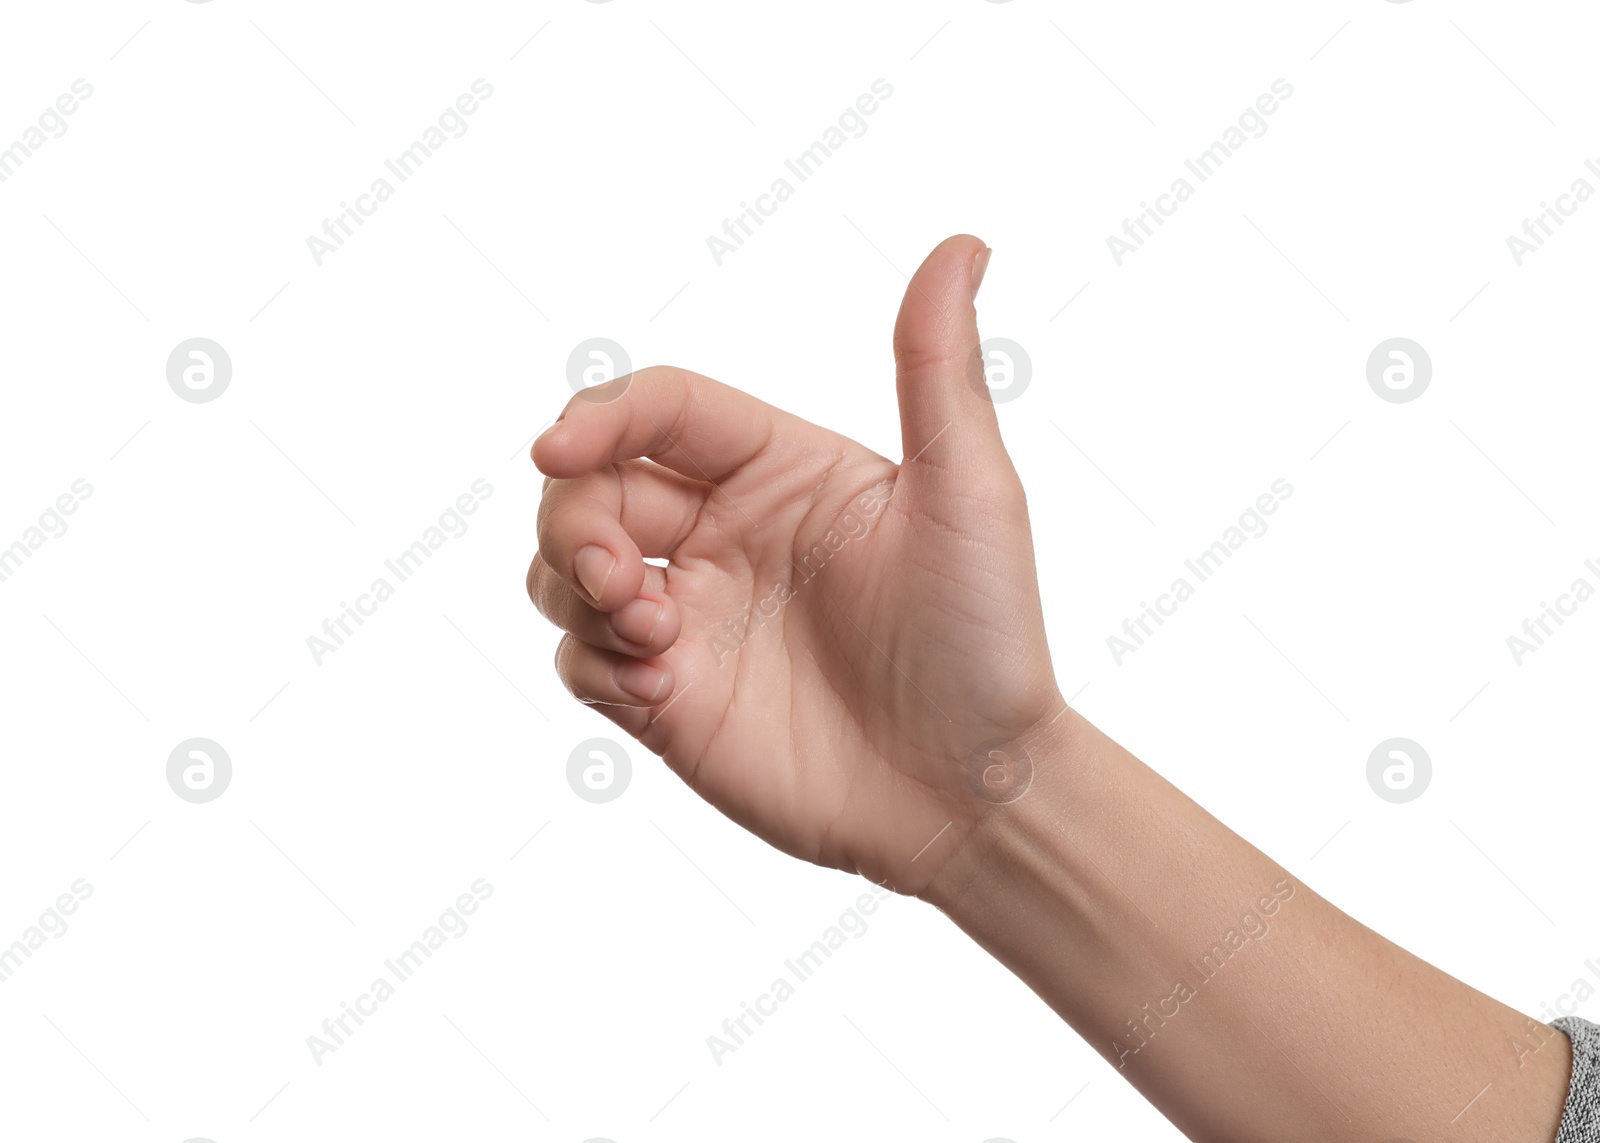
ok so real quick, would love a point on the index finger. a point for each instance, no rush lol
(693, 425)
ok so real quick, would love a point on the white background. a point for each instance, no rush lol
(369, 392)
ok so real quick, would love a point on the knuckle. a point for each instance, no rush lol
(549, 500)
(565, 647)
(916, 359)
(570, 655)
(544, 586)
(532, 581)
(660, 375)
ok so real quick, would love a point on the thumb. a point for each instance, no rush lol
(947, 418)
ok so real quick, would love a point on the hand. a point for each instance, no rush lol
(842, 651)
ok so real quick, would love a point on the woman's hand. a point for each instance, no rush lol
(842, 653)
(842, 656)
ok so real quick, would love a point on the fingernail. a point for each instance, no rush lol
(980, 264)
(641, 680)
(594, 566)
(637, 621)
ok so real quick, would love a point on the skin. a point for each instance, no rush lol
(871, 631)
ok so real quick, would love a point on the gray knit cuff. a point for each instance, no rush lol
(1580, 1122)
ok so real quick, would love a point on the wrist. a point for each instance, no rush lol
(1019, 840)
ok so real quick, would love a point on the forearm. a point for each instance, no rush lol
(1240, 1003)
